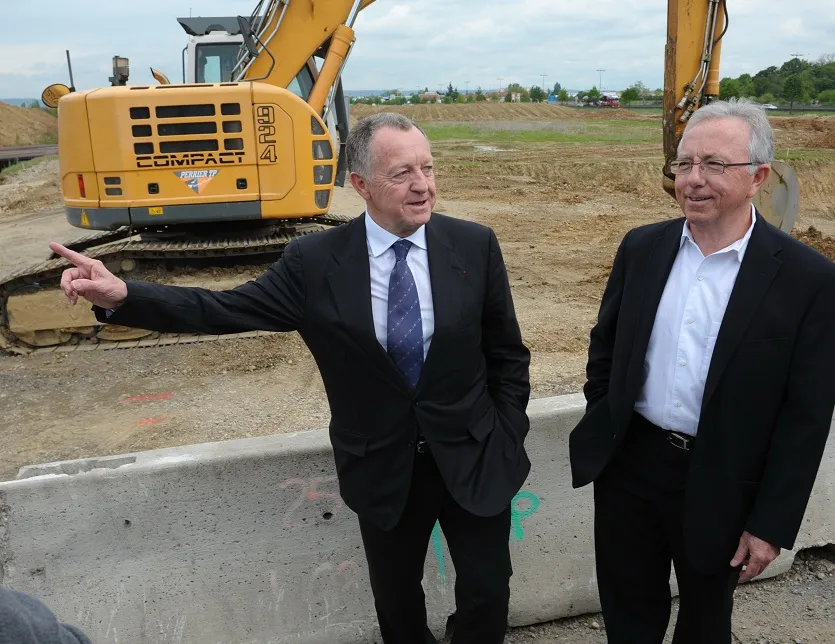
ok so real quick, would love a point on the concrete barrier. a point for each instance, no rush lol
(248, 541)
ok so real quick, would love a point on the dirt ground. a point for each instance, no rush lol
(33, 189)
(25, 126)
(559, 211)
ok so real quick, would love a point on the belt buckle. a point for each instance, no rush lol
(680, 440)
(422, 445)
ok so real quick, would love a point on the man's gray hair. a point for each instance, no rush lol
(358, 145)
(761, 146)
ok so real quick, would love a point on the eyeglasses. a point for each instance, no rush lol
(708, 167)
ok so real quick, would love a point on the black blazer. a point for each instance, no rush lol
(769, 393)
(472, 394)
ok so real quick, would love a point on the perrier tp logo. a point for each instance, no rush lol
(197, 180)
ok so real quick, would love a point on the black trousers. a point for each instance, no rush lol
(480, 553)
(639, 502)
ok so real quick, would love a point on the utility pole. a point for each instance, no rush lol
(544, 76)
(500, 83)
(468, 87)
(600, 87)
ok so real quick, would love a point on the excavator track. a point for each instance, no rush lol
(120, 250)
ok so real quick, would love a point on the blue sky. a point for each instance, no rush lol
(414, 43)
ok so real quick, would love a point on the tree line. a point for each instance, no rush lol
(452, 94)
(795, 81)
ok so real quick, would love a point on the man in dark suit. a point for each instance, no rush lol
(709, 391)
(410, 319)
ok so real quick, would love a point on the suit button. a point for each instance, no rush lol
(614, 435)
(411, 444)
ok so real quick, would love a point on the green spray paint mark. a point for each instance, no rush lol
(517, 532)
(438, 547)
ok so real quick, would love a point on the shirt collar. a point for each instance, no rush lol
(739, 246)
(380, 240)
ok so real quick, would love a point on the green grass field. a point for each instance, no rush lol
(602, 131)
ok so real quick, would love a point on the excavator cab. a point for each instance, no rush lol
(213, 54)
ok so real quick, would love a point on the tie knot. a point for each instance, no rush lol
(401, 249)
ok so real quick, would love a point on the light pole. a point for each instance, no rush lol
(600, 87)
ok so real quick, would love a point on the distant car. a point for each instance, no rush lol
(769, 106)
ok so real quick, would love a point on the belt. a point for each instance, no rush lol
(422, 445)
(680, 440)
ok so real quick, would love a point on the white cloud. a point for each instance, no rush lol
(793, 27)
(415, 43)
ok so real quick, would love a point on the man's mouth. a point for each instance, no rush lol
(698, 199)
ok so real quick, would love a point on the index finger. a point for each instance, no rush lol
(76, 258)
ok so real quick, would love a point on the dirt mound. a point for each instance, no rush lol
(817, 240)
(26, 126)
(471, 111)
(805, 131)
(32, 189)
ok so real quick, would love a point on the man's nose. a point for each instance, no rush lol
(696, 176)
(419, 183)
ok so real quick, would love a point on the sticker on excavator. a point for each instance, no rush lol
(85, 220)
(157, 210)
(197, 180)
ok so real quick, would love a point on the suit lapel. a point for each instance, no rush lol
(758, 268)
(448, 279)
(349, 278)
(659, 263)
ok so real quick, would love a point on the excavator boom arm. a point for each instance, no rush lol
(695, 29)
(691, 63)
(289, 32)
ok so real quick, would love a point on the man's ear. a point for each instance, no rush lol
(760, 176)
(360, 185)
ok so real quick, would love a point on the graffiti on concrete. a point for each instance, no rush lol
(529, 505)
(523, 505)
(310, 492)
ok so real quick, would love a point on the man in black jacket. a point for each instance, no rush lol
(710, 392)
(26, 620)
(409, 317)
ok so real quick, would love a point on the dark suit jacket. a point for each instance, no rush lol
(24, 619)
(472, 394)
(769, 393)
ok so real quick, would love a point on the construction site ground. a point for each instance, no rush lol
(559, 186)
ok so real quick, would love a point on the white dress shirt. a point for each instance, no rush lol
(684, 334)
(381, 261)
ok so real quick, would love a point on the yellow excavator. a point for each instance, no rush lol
(242, 156)
(228, 166)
